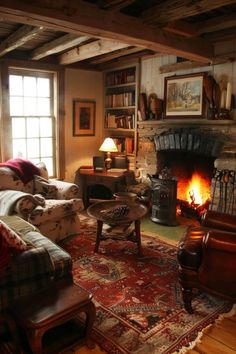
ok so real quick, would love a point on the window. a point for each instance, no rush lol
(32, 117)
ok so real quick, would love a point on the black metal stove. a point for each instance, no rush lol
(164, 198)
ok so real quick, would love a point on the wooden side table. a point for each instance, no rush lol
(136, 212)
(50, 308)
(88, 177)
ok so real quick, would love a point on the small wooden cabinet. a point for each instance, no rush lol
(120, 111)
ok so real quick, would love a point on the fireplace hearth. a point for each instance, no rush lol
(190, 157)
(189, 149)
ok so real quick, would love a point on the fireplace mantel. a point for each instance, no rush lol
(148, 129)
(187, 122)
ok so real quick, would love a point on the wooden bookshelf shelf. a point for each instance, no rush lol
(120, 111)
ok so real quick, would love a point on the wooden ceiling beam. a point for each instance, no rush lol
(90, 50)
(117, 54)
(18, 38)
(58, 45)
(79, 17)
(172, 10)
(216, 24)
(116, 5)
(221, 36)
(181, 28)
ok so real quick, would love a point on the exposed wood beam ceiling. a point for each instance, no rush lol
(90, 50)
(58, 45)
(96, 32)
(18, 38)
(166, 12)
(90, 20)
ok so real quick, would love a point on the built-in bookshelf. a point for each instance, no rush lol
(121, 101)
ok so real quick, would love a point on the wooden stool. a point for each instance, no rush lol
(50, 308)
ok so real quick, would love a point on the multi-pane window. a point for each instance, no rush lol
(32, 116)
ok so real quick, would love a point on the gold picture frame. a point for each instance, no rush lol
(183, 96)
(84, 117)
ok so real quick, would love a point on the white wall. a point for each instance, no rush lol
(152, 81)
(79, 150)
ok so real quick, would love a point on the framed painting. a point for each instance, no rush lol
(83, 117)
(183, 96)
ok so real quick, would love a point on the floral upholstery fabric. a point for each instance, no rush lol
(44, 187)
(66, 190)
(59, 214)
(58, 218)
(8, 180)
(54, 209)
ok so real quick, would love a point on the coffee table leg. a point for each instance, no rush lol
(99, 233)
(138, 237)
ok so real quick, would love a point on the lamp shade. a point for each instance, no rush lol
(108, 146)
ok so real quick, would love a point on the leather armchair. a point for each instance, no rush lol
(207, 258)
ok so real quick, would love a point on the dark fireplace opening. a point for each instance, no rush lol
(193, 172)
(187, 156)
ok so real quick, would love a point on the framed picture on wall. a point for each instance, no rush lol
(84, 117)
(183, 96)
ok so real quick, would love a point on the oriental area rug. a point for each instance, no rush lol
(138, 300)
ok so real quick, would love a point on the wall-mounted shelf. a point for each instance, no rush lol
(187, 122)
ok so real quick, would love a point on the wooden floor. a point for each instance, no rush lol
(219, 338)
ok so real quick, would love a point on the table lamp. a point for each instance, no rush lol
(108, 146)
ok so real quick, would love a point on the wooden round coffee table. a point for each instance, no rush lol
(136, 211)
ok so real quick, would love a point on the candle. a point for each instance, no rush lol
(222, 99)
(228, 96)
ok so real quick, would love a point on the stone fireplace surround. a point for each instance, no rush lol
(214, 140)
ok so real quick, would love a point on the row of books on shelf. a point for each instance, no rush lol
(119, 121)
(120, 99)
(125, 145)
(120, 77)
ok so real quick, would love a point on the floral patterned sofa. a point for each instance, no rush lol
(50, 205)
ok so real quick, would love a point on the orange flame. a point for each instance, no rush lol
(198, 190)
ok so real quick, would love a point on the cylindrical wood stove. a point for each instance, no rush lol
(164, 200)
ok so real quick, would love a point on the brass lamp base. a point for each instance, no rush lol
(108, 161)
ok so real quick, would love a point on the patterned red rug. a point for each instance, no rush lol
(138, 300)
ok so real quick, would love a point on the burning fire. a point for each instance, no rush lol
(198, 191)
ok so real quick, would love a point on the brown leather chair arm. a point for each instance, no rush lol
(217, 269)
(222, 241)
(217, 220)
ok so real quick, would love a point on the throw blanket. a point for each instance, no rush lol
(9, 198)
(24, 169)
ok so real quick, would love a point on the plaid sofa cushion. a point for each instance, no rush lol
(34, 268)
(24, 274)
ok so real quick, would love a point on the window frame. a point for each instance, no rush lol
(10, 67)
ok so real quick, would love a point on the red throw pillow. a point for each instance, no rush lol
(13, 240)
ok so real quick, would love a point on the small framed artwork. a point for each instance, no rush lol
(183, 96)
(84, 117)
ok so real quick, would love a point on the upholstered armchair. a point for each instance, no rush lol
(50, 205)
(207, 258)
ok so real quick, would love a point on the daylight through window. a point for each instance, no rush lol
(33, 120)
